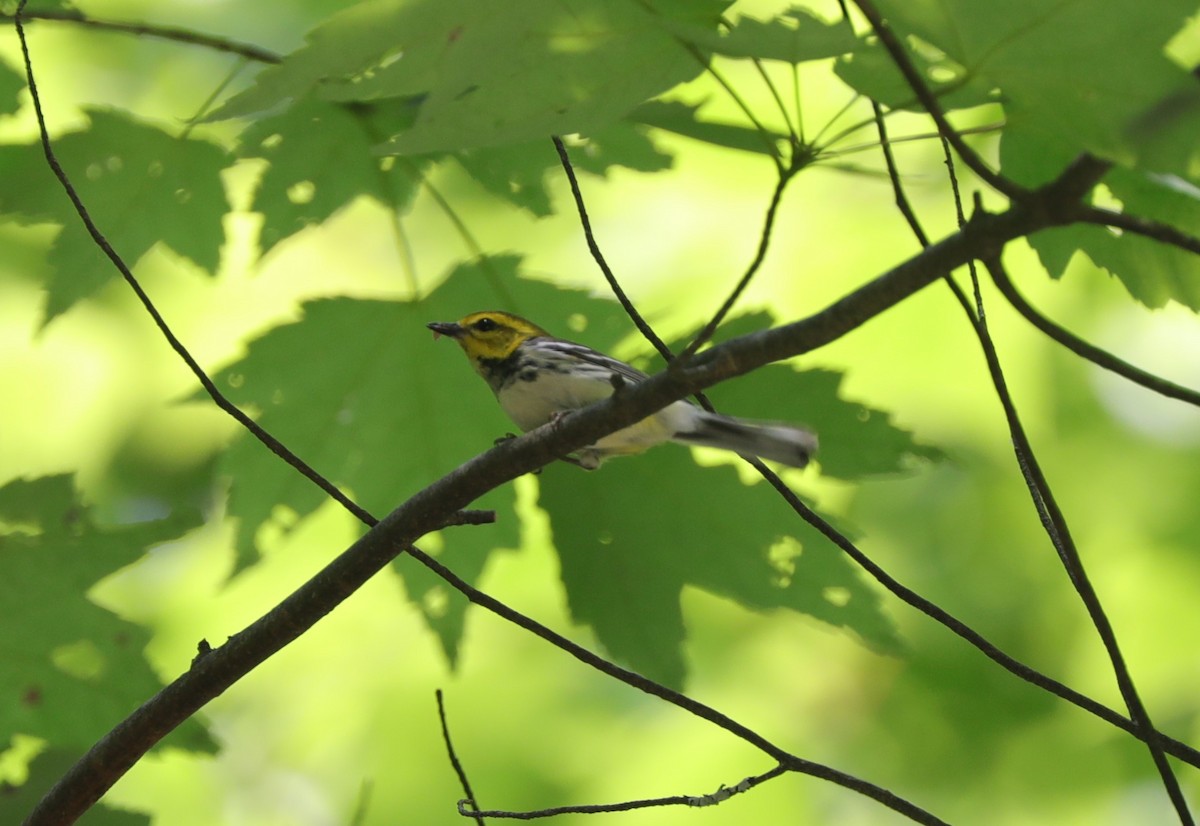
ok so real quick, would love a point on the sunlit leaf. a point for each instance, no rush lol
(141, 185)
(1152, 271)
(795, 36)
(1054, 65)
(633, 534)
(320, 159)
(488, 76)
(11, 85)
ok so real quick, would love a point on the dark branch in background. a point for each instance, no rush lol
(1059, 533)
(930, 102)
(172, 33)
(796, 161)
(719, 796)
(1056, 527)
(895, 587)
(472, 809)
(1081, 348)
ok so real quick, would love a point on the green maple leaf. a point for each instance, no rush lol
(73, 670)
(141, 186)
(1053, 64)
(485, 76)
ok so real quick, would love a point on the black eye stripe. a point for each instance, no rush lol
(484, 324)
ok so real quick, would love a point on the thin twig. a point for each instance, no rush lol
(795, 134)
(1101, 358)
(719, 796)
(772, 147)
(464, 232)
(898, 193)
(796, 162)
(472, 809)
(1137, 225)
(593, 247)
(172, 33)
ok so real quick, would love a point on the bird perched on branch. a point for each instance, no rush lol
(537, 378)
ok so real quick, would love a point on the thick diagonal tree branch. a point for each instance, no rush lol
(984, 236)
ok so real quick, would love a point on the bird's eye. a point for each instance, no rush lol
(483, 325)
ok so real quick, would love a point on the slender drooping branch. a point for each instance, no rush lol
(1057, 529)
(471, 807)
(1083, 349)
(1055, 524)
(1052, 518)
(210, 387)
(623, 299)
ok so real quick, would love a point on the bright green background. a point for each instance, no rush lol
(346, 716)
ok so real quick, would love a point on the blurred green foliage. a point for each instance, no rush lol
(298, 224)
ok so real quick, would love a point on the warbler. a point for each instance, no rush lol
(538, 377)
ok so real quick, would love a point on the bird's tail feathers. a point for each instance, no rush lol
(784, 443)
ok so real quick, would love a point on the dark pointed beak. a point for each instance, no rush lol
(445, 328)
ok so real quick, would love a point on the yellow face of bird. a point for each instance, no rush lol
(490, 335)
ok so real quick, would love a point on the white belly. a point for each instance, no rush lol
(531, 404)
